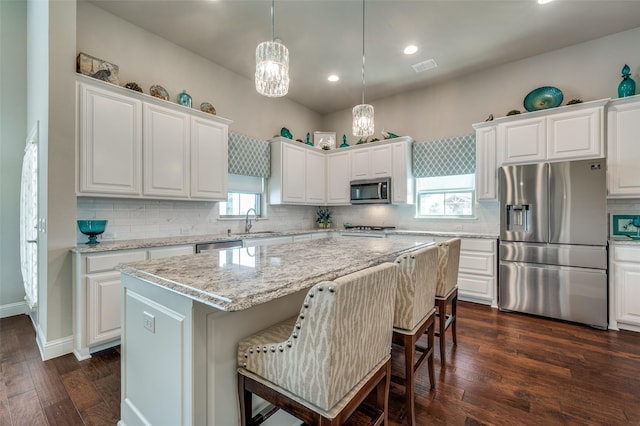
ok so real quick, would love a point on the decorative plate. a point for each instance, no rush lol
(159, 92)
(208, 108)
(543, 98)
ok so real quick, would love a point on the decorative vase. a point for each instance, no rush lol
(627, 86)
(344, 143)
(184, 99)
(308, 142)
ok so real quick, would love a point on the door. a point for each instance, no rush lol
(209, 154)
(29, 219)
(524, 203)
(577, 202)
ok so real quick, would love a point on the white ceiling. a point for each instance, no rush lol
(325, 36)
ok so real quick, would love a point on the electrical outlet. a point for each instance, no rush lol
(185, 230)
(457, 227)
(149, 322)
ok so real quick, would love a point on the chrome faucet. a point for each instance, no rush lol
(247, 221)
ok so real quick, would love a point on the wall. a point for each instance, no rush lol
(588, 71)
(13, 133)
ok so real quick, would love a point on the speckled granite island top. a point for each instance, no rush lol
(237, 279)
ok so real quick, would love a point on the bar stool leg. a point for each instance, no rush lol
(442, 316)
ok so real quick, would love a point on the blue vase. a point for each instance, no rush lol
(184, 99)
(627, 86)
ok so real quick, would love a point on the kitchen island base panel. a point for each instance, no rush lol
(197, 346)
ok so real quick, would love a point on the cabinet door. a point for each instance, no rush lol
(486, 167)
(401, 177)
(522, 141)
(103, 307)
(381, 161)
(293, 174)
(626, 270)
(166, 152)
(575, 134)
(110, 143)
(315, 177)
(338, 178)
(623, 150)
(209, 141)
(360, 164)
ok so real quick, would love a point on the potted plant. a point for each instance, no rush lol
(324, 218)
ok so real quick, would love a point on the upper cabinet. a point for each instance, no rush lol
(486, 167)
(306, 175)
(110, 149)
(565, 133)
(623, 147)
(297, 173)
(134, 145)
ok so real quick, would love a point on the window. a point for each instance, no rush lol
(245, 192)
(445, 196)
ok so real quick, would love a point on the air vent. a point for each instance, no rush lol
(424, 65)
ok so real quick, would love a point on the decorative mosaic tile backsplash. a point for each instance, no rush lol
(622, 224)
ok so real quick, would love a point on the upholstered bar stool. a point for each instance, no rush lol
(447, 291)
(414, 316)
(321, 365)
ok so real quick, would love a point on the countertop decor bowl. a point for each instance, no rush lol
(92, 228)
(543, 98)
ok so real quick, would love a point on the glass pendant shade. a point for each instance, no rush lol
(363, 120)
(272, 69)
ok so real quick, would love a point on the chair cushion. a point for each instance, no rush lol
(448, 265)
(415, 292)
(343, 331)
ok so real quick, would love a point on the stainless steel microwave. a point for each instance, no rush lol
(371, 191)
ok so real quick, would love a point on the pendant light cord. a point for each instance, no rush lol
(363, 51)
(273, 25)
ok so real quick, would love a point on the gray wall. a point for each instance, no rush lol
(13, 133)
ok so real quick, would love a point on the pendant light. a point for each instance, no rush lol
(272, 65)
(363, 113)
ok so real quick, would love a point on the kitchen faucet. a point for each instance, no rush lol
(247, 221)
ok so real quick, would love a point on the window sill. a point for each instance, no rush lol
(241, 218)
(469, 218)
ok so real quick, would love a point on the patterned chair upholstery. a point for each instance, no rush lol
(447, 291)
(321, 364)
(414, 316)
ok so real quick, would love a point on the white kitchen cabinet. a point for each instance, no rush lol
(338, 178)
(209, 159)
(269, 241)
(401, 173)
(185, 153)
(166, 152)
(566, 133)
(486, 166)
(623, 147)
(522, 141)
(297, 174)
(96, 295)
(624, 276)
(477, 273)
(371, 162)
(315, 177)
(110, 142)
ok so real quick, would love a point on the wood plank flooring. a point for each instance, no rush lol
(507, 369)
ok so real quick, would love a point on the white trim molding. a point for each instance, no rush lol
(54, 348)
(12, 309)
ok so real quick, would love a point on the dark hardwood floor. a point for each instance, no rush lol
(507, 369)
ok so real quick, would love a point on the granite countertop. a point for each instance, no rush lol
(106, 246)
(239, 278)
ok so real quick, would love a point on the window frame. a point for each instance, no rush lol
(444, 191)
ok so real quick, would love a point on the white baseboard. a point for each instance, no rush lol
(12, 309)
(53, 348)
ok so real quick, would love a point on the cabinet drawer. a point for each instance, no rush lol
(476, 287)
(477, 263)
(159, 253)
(106, 262)
(626, 254)
(477, 244)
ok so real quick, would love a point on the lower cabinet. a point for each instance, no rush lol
(624, 285)
(96, 295)
(477, 276)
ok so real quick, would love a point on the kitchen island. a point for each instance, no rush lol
(183, 316)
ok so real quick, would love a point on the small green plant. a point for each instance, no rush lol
(324, 217)
(513, 112)
(574, 101)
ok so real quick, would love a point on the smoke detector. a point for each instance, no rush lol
(424, 65)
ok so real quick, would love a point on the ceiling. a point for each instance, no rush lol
(325, 36)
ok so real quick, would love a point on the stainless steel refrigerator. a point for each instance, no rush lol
(553, 240)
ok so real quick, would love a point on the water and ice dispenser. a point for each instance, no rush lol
(518, 217)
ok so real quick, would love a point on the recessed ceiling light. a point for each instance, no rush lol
(333, 78)
(410, 50)
(544, 1)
